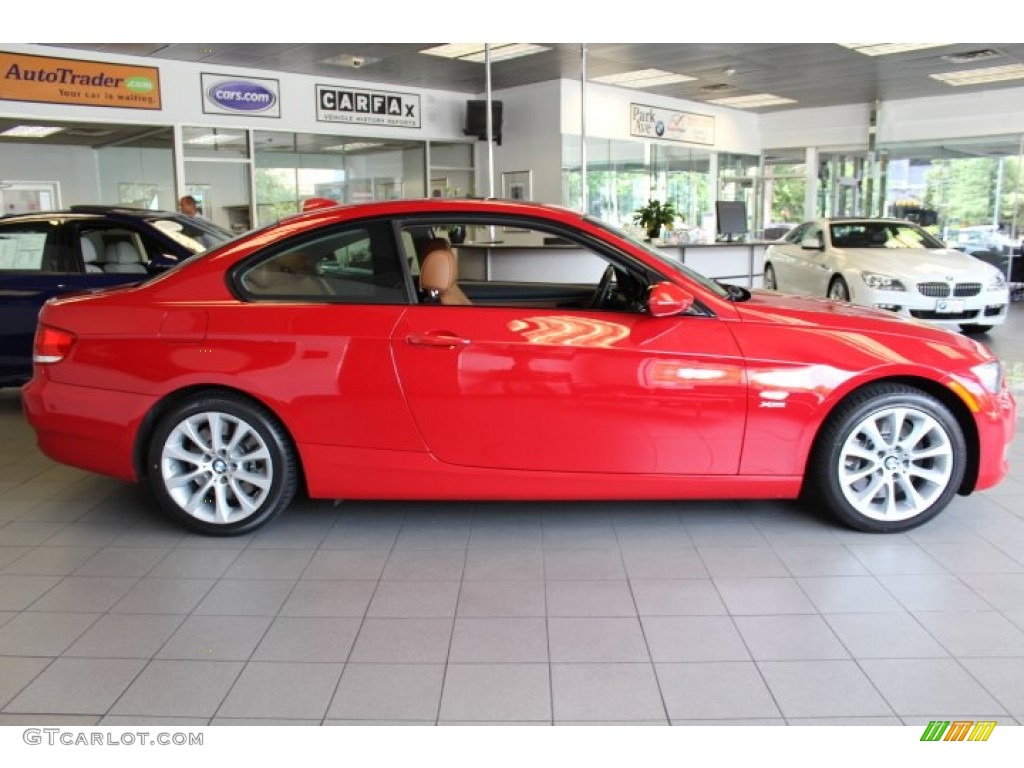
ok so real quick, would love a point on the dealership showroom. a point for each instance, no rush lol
(417, 606)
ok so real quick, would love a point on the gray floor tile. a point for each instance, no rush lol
(683, 563)
(77, 686)
(929, 686)
(495, 599)
(43, 634)
(73, 721)
(9, 554)
(741, 562)
(28, 534)
(118, 721)
(570, 564)
(372, 536)
(1004, 591)
(388, 692)
(85, 594)
(848, 594)
(596, 640)
(329, 598)
(340, 564)
(589, 598)
(972, 557)
(442, 535)
(676, 597)
(179, 689)
(605, 692)
(501, 692)
(573, 535)
(16, 673)
(280, 689)
(499, 641)
(843, 721)
(421, 641)
(174, 596)
(823, 688)
(86, 534)
(189, 563)
(715, 691)
(1003, 679)
(308, 639)
(269, 564)
(693, 638)
(412, 599)
(504, 565)
(884, 636)
(217, 638)
(47, 561)
(763, 596)
(245, 597)
(824, 560)
(936, 592)
(19, 592)
(889, 559)
(125, 636)
(985, 634)
(123, 561)
(425, 565)
(789, 638)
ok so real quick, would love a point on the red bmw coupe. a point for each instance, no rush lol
(355, 352)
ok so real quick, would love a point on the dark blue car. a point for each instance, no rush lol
(83, 248)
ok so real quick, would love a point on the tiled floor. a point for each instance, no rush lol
(430, 613)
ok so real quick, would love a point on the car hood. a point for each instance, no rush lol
(917, 265)
(770, 307)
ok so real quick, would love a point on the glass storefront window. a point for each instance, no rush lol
(215, 143)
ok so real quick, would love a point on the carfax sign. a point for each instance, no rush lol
(336, 104)
(26, 77)
(656, 123)
(231, 95)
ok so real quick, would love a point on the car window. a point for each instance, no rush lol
(797, 234)
(112, 248)
(194, 236)
(881, 234)
(34, 247)
(354, 265)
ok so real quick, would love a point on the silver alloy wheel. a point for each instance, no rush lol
(895, 464)
(769, 278)
(216, 467)
(838, 291)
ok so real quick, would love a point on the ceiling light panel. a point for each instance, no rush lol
(215, 138)
(753, 101)
(31, 131)
(983, 75)
(476, 52)
(885, 49)
(643, 78)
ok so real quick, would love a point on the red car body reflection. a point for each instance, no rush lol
(407, 399)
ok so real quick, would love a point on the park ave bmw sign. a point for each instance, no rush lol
(224, 94)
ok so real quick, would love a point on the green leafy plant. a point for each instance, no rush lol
(655, 215)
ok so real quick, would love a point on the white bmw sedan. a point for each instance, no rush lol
(890, 264)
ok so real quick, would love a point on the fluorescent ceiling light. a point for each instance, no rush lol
(643, 78)
(475, 51)
(352, 147)
(884, 49)
(31, 131)
(753, 101)
(983, 75)
(215, 138)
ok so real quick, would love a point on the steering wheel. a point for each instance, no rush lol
(604, 288)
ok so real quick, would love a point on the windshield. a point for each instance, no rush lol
(881, 234)
(195, 235)
(663, 258)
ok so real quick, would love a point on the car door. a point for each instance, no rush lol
(573, 390)
(809, 265)
(784, 256)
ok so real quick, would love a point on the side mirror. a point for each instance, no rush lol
(665, 299)
(812, 243)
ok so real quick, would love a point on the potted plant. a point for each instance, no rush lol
(653, 216)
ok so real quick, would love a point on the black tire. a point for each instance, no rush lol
(768, 280)
(975, 328)
(838, 290)
(867, 483)
(203, 481)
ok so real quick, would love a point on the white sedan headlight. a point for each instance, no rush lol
(879, 282)
(996, 283)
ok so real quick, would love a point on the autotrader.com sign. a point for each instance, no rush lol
(336, 104)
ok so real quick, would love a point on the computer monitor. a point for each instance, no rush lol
(732, 219)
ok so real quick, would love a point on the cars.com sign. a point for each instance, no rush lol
(355, 105)
(224, 94)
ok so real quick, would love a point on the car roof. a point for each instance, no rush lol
(113, 211)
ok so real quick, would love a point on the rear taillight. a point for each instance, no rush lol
(51, 344)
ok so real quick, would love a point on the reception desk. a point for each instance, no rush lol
(738, 263)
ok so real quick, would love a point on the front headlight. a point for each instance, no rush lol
(990, 374)
(879, 282)
(996, 282)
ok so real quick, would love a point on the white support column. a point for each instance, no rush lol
(811, 194)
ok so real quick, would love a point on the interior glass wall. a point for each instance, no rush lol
(784, 192)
